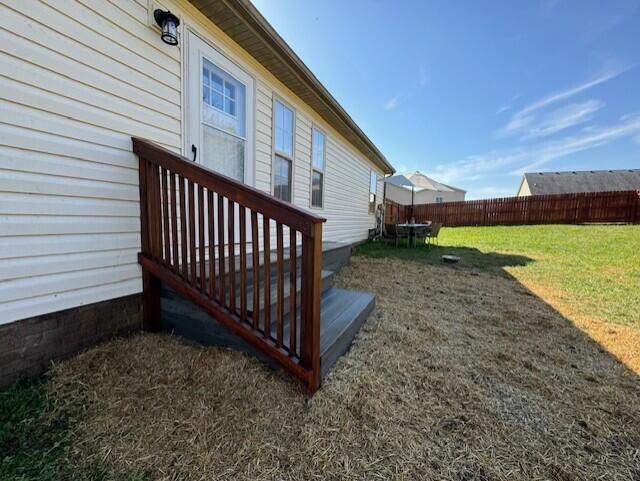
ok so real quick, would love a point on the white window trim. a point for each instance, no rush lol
(312, 168)
(274, 152)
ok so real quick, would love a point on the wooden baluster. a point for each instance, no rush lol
(183, 228)
(165, 218)
(192, 237)
(222, 295)
(293, 281)
(280, 285)
(266, 256)
(243, 263)
(150, 283)
(310, 315)
(157, 203)
(231, 225)
(256, 269)
(174, 222)
(212, 245)
(201, 247)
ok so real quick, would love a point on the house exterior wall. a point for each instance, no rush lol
(403, 196)
(77, 79)
(524, 189)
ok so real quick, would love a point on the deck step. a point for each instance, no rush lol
(342, 313)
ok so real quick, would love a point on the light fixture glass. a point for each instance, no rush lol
(168, 23)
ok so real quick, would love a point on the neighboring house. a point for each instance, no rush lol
(79, 78)
(416, 188)
(545, 183)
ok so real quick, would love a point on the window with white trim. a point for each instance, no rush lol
(373, 189)
(318, 156)
(283, 151)
(438, 200)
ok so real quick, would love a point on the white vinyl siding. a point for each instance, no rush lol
(78, 78)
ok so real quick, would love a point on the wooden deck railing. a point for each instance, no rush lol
(188, 245)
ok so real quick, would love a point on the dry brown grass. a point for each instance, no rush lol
(621, 341)
(456, 376)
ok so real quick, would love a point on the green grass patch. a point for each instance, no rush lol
(36, 438)
(594, 270)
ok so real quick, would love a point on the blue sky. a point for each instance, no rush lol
(474, 93)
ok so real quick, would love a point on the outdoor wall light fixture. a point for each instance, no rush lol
(168, 23)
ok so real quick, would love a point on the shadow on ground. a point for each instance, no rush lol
(432, 254)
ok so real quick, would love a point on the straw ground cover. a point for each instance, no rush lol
(590, 273)
(458, 375)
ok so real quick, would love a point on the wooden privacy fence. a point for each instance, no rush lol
(619, 206)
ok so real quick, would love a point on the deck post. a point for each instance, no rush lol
(311, 292)
(150, 283)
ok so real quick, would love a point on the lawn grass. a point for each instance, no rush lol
(36, 437)
(588, 271)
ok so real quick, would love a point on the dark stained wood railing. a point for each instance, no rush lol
(189, 216)
(578, 208)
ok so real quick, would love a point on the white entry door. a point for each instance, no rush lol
(220, 105)
(220, 125)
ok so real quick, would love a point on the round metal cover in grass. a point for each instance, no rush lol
(450, 259)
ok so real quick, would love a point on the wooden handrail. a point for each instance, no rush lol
(188, 236)
(238, 192)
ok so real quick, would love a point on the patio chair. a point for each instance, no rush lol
(421, 232)
(433, 233)
(403, 232)
(389, 233)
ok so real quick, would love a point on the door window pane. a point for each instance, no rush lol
(222, 152)
(223, 99)
(282, 178)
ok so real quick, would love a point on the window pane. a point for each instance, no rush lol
(222, 152)
(205, 75)
(283, 129)
(372, 203)
(216, 82)
(229, 106)
(318, 150)
(230, 90)
(216, 100)
(220, 110)
(282, 178)
(316, 189)
(373, 186)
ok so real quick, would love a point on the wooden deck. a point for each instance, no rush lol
(342, 314)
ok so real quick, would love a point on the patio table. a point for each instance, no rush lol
(412, 227)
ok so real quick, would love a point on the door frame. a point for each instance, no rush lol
(194, 39)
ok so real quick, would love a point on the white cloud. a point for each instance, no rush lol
(392, 103)
(527, 116)
(489, 192)
(532, 157)
(563, 118)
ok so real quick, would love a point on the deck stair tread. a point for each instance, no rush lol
(342, 311)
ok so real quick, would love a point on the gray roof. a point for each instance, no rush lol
(420, 182)
(582, 181)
